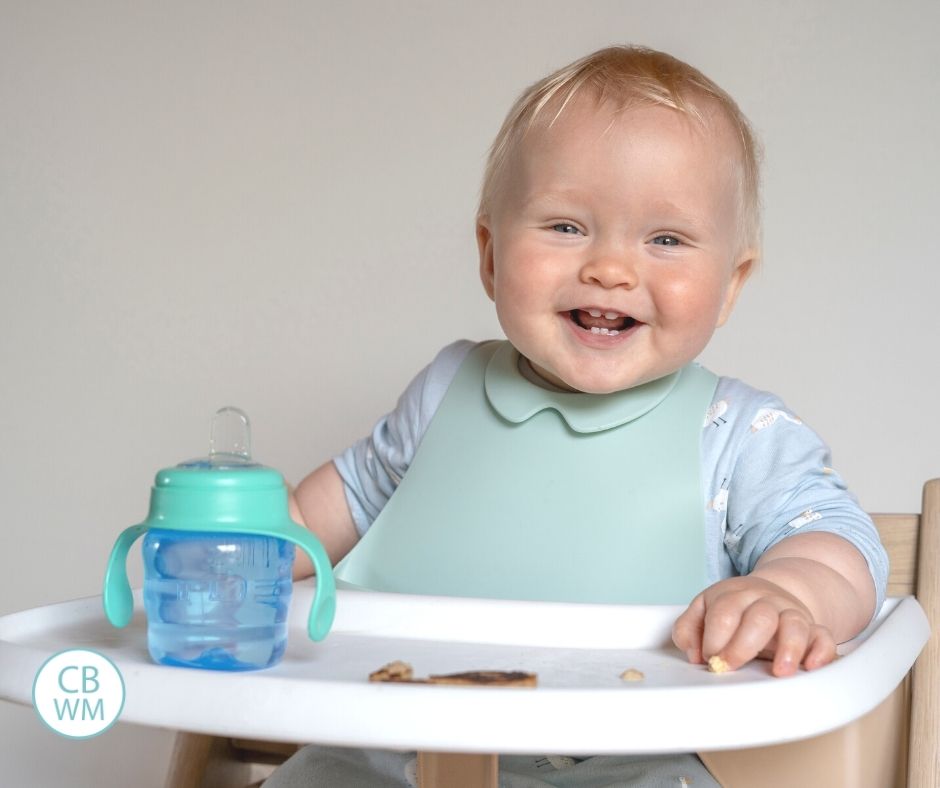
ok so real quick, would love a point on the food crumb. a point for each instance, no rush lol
(632, 674)
(717, 664)
(393, 671)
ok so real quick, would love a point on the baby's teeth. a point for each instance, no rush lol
(607, 332)
(595, 330)
(609, 315)
(594, 312)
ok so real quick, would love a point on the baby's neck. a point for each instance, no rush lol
(529, 373)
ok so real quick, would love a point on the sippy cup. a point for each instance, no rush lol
(218, 553)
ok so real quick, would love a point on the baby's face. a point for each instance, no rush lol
(612, 251)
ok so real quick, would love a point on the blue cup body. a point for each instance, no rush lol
(215, 600)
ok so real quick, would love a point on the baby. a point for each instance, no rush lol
(618, 223)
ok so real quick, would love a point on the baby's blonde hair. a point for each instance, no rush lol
(630, 76)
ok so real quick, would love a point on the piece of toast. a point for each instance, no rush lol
(402, 673)
(488, 678)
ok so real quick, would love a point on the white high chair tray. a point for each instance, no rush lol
(321, 693)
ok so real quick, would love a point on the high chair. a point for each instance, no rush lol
(896, 744)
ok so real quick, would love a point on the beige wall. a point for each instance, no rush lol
(270, 205)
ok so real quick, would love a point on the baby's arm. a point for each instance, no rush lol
(811, 567)
(319, 503)
(805, 594)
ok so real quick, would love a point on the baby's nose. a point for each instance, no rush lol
(611, 268)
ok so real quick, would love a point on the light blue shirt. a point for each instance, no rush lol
(766, 475)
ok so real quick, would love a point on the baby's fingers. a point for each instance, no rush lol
(798, 642)
(795, 635)
(788, 635)
(688, 629)
(822, 649)
(739, 636)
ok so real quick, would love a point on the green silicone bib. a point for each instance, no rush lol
(518, 492)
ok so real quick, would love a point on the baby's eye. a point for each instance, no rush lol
(667, 240)
(564, 227)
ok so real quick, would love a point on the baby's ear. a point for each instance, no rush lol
(487, 266)
(742, 270)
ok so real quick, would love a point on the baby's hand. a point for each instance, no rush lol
(741, 618)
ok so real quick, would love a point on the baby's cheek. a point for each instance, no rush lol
(688, 312)
(689, 300)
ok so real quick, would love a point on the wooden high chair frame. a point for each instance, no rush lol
(896, 744)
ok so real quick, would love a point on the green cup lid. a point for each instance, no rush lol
(223, 491)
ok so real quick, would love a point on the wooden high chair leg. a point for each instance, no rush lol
(456, 770)
(924, 764)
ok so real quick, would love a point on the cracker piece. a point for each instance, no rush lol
(632, 674)
(488, 678)
(717, 664)
(393, 671)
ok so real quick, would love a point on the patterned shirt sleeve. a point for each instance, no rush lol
(782, 483)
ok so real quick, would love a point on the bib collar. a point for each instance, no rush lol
(517, 399)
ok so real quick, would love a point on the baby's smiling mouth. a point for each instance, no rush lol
(599, 321)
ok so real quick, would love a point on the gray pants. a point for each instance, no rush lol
(338, 767)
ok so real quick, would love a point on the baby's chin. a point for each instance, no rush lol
(600, 384)
(579, 384)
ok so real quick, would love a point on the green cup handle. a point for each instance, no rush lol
(323, 609)
(117, 597)
(119, 601)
